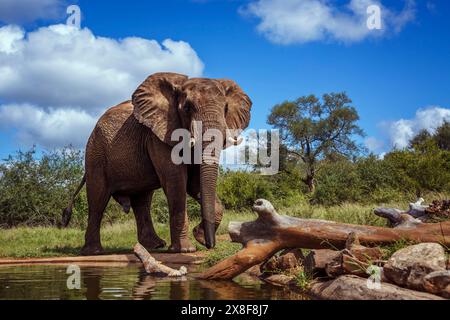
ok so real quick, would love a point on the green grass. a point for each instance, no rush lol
(25, 242)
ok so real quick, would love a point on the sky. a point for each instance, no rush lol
(56, 80)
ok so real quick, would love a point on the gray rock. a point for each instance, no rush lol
(349, 287)
(438, 283)
(409, 266)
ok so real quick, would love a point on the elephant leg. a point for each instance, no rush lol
(179, 225)
(146, 232)
(194, 192)
(98, 197)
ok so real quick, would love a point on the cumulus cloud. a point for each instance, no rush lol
(23, 11)
(373, 144)
(56, 127)
(301, 21)
(403, 130)
(61, 71)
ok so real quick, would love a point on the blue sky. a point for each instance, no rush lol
(398, 78)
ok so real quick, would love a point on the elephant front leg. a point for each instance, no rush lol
(179, 225)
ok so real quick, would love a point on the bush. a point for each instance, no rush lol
(367, 180)
(424, 168)
(34, 192)
(239, 190)
(337, 182)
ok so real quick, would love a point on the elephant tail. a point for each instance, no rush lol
(67, 212)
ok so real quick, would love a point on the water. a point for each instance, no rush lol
(126, 283)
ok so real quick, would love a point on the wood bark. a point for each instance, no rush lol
(152, 266)
(271, 232)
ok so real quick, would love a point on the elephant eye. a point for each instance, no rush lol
(226, 109)
(187, 107)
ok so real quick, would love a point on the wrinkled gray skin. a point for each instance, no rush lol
(128, 157)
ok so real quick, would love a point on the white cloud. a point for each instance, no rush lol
(403, 130)
(300, 21)
(373, 144)
(60, 71)
(23, 11)
(53, 128)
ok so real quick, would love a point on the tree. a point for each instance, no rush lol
(442, 136)
(314, 130)
(421, 138)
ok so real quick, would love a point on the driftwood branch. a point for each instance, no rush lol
(271, 232)
(152, 266)
(417, 213)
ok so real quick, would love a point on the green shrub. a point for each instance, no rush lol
(337, 182)
(35, 191)
(239, 190)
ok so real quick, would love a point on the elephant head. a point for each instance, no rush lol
(168, 101)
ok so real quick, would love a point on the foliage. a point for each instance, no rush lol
(303, 280)
(315, 130)
(424, 168)
(34, 192)
(239, 189)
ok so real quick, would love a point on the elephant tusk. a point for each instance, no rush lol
(235, 142)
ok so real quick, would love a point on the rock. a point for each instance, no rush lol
(280, 280)
(254, 271)
(289, 259)
(349, 287)
(409, 266)
(438, 282)
(317, 260)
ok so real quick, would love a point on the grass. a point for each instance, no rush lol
(25, 242)
(303, 280)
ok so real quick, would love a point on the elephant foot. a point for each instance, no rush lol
(92, 250)
(153, 243)
(199, 234)
(185, 246)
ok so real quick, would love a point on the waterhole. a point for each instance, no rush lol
(130, 282)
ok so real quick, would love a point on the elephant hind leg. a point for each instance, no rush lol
(98, 197)
(146, 232)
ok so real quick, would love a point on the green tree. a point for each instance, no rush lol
(426, 167)
(422, 137)
(314, 130)
(442, 136)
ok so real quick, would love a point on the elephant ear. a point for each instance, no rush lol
(155, 104)
(239, 105)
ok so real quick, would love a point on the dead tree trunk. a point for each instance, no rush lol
(271, 232)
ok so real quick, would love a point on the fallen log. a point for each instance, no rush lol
(271, 232)
(350, 287)
(152, 266)
(417, 213)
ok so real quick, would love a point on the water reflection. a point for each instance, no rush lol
(128, 282)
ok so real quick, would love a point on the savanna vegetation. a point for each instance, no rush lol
(324, 173)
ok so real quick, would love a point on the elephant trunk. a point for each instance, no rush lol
(208, 182)
(209, 170)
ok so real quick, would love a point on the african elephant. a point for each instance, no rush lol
(128, 157)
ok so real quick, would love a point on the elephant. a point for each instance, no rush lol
(128, 157)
